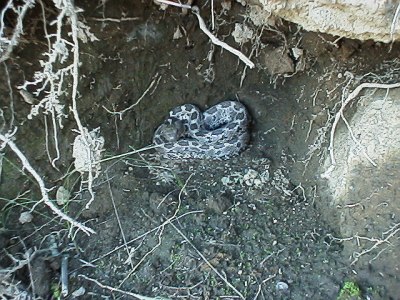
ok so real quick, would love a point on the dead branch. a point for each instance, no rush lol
(6, 139)
(216, 41)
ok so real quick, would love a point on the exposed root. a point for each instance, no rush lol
(6, 139)
(7, 45)
(376, 243)
(339, 115)
(154, 83)
(220, 43)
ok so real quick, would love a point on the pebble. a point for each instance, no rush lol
(281, 286)
(25, 217)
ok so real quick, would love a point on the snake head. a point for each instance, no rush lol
(169, 132)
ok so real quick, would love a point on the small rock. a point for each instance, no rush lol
(177, 34)
(225, 181)
(281, 286)
(277, 61)
(242, 33)
(249, 182)
(264, 176)
(226, 5)
(300, 62)
(41, 276)
(62, 195)
(257, 182)
(79, 292)
(218, 204)
(25, 217)
(251, 174)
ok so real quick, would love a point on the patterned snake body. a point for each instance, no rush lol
(220, 132)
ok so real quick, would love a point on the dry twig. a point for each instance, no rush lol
(118, 219)
(216, 41)
(161, 230)
(155, 81)
(6, 139)
(119, 20)
(167, 2)
(7, 45)
(142, 236)
(208, 263)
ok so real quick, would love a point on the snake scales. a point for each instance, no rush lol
(220, 132)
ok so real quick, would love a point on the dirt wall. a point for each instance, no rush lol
(355, 19)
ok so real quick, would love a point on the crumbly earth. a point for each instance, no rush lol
(253, 227)
(363, 20)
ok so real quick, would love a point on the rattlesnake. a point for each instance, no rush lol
(220, 132)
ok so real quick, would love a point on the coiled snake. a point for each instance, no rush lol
(220, 132)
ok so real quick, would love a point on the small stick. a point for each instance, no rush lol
(208, 263)
(45, 197)
(64, 275)
(218, 42)
(161, 231)
(394, 22)
(129, 153)
(174, 4)
(115, 20)
(143, 235)
(119, 220)
(212, 15)
(1, 164)
(156, 80)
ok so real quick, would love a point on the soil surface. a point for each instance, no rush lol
(252, 227)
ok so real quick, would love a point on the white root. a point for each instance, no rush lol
(167, 2)
(339, 115)
(220, 43)
(6, 139)
(394, 21)
(7, 45)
